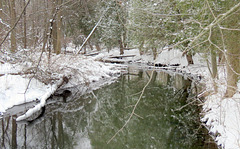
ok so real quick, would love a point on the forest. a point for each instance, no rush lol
(54, 44)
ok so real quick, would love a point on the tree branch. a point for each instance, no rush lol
(90, 34)
(218, 20)
(134, 108)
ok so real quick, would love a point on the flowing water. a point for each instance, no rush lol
(167, 117)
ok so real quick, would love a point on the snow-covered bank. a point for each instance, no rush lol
(22, 82)
(220, 115)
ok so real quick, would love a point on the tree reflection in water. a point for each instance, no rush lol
(89, 121)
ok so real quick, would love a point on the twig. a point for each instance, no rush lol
(230, 29)
(133, 111)
(138, 116)
(179, 109)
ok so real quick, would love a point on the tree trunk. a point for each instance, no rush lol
(57, 27)
(59, 30)
(25, 137)
(91, 47)
(214, 64)
(98, 47)
(60, 131)
(3, 134)
(1, 14)
(54, 36)
(233, 54)
(24, 27)
(54, 26)
(214, 68)
(109, 49)
(13, 20)
(189, 58)
(141, 48)
(32, 40)
(121, 47)
(14, 132)
(53, 129)
(154, 53)
(221, 58)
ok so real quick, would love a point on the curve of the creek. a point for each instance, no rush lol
(167, 117)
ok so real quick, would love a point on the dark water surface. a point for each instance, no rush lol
(89, 121)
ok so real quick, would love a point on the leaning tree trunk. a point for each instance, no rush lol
(233, 53)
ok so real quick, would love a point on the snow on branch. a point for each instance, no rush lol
(43, 99)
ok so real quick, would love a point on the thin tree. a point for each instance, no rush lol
(24, 26)
(12, 22)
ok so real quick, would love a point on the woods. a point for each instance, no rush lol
(47, 41)
(209, 28)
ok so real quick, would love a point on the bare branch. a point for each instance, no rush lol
(90, 34)
(230, 29)
(218, 20)
(133, 111)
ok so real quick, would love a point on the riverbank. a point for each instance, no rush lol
(220, 115)
(25, 78)
(30, 76)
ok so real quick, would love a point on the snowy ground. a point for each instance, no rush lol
(221, 116)
(39, 84)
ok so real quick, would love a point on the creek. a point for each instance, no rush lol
(167, 117)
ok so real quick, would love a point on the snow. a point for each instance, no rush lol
(164, 57)
(220, 115)
(224, 119)
(43, 99)
(14, 89)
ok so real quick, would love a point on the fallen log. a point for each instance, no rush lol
(43, 99)
(91, 54)
(127, 48)
(116, 61)
(121, 56)
(17, 73)
(163, 65)
(2, 62)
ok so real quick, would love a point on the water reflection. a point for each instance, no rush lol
(89, 121)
